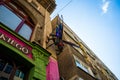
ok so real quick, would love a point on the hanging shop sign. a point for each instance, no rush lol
(15, 42)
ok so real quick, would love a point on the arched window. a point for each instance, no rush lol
(15, 21)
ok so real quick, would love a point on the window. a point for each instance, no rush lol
(22, 75)
(2, 64)
(19, 74)
(9, 18)
(8, 69)
(15, 22)
(3, 78)
(78, 64)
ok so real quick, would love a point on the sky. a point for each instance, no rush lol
(97, 23)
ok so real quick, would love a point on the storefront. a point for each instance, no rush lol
(19, 58)
(12, 65)
(15, 56)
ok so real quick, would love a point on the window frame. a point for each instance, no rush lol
(21, 14)
(2, 65)
(82, 66)
(8, 68)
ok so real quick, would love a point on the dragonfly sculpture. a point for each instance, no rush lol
(57, 38)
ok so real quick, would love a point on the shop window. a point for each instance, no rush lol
(15, 22)
(1, 65)
(8, 69)
(3, 78)
(22, 75)
(19, 74)
(80, 64)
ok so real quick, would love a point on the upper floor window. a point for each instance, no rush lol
(80, 65)
(15, 21)
(25, 31)
(8, 18)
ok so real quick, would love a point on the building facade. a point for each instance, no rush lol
(77, 61)
(22, 40)
(31, 49)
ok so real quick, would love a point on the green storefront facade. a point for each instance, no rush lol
(19, 58)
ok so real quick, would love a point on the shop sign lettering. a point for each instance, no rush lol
(18, 44)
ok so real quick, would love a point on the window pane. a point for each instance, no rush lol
(1, 65)
(22, 75)
(8, 18)
(3, 78)
(17, 73)
(78, 64)
(25, 31)
(8, 69)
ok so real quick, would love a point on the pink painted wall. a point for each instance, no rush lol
(52, 70)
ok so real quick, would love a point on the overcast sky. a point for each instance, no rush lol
(97, 23)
